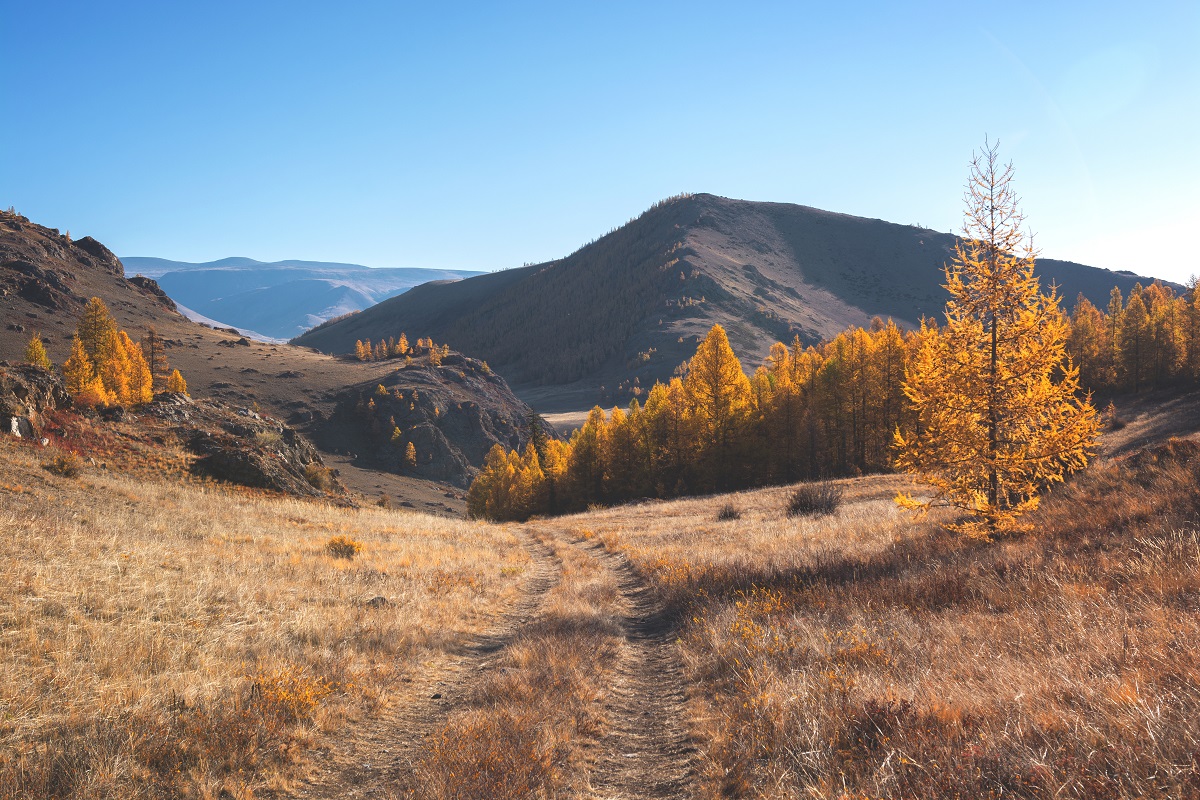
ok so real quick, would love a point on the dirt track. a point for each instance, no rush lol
(643, 751)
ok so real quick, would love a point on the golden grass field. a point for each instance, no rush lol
(166, 639)
(867, 655)
(178, 639)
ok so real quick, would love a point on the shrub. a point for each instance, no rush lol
(728, 512)
(343, 547)
(67, 465)
(319, 477)
(814, 500)
(268, 439)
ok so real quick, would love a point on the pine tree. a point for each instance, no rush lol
(35, 352)
(998, 416)
(176, 384)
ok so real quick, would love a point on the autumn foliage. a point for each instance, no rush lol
(106, 367)
(805, 413)
(999, 416)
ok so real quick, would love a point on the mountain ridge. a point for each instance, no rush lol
(628, 308)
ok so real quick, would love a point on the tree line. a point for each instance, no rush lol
(392, 347)
(807, 412)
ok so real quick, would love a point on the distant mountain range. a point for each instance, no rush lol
(634, 303)
(281, 299)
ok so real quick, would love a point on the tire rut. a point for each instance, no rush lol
(379, 757)
(647, 752)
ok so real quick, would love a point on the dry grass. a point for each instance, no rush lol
(865, 655)
(525, 731)
(173, 640)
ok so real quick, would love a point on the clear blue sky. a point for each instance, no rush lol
(483, 136)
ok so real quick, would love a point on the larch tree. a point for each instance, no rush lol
(154, 350)
(718, 393)
(95, 328)
(176, 384)
(77, 369)
(999, 418)
(35, 352)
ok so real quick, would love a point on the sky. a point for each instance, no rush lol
(490, 135)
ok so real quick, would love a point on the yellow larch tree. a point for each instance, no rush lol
(141, 382)
(94, 329)
(176, 384)
(999, 417)
(719, 395)
(77, 369)
(35, 352)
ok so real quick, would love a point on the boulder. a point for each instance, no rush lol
(26, 393)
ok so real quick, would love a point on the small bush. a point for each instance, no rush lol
(814, 500)
(343, 547)
(268, 439)
(728, 512)
(319, 477)
(66, 465)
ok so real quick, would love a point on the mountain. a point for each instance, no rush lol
(280, 299)
(46, 278)
(633, 304)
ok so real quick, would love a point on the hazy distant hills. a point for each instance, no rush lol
(633, 304)
(281, 299)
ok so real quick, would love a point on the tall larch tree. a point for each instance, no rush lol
(718, 393)
(999, 416)
(154, 350)
(95, 329)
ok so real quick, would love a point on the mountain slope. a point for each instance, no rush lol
(281, 299)
(633, 304)
(46, 278)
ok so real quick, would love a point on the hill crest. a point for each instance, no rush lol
(628, 308)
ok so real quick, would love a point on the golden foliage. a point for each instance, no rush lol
(999, 416)
(176, 383)
(35, 352)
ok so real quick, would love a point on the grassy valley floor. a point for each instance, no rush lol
(172, 639)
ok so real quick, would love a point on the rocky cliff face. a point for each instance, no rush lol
(451, 413)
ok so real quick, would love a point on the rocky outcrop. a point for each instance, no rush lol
(241, 446)
(452, 414)
(150, 288)
(26, 393)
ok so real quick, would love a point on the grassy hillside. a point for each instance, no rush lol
(633, 304)
(167, 639)
(46, 278)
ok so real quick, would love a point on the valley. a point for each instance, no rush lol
(261, 590)
(660, 649)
